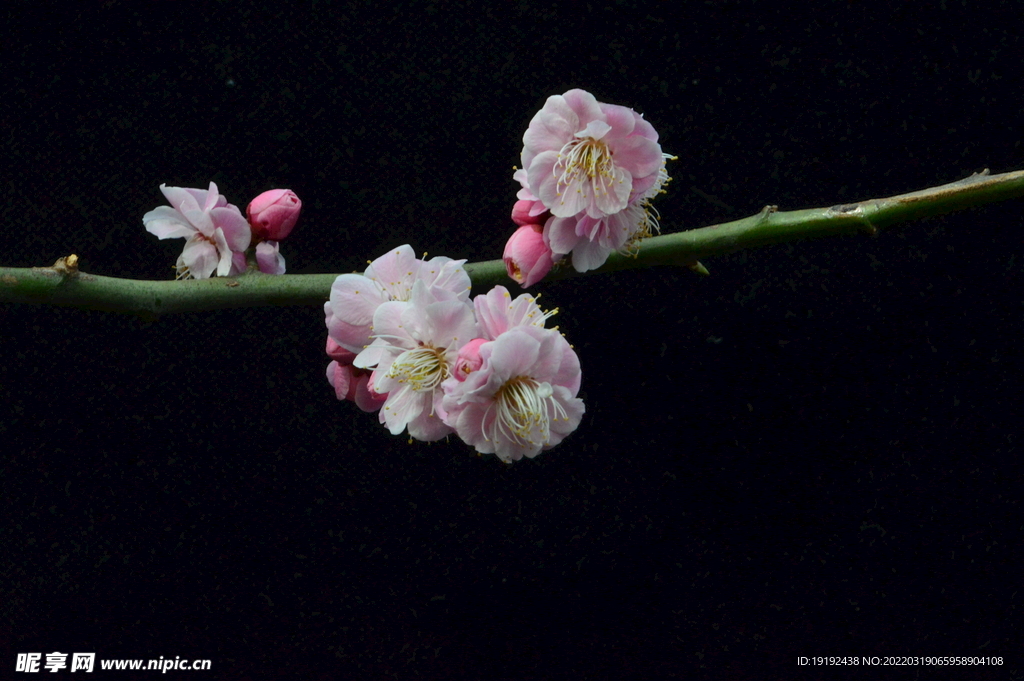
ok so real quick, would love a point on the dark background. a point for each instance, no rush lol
(815, 451)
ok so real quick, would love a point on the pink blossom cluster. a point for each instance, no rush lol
(405, 339)
(589, 171)
(218, 235)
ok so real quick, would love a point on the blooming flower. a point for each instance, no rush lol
(589, 172)
(415, 347)
(510, 383)
(273, 214)
(355, 297)
(522, 400)
(215, 230)
(583, 156)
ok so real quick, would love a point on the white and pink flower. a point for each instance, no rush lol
(216, 231)
(488, 370)
(415, 348)
(522, 400)
(585, 157)
(589, 172)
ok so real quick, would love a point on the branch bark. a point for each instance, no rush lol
(63, 284)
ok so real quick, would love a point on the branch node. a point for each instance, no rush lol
(66, 267)
(767, 212)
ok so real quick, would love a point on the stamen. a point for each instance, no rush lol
(524, 408)
(422, 369)
(587, 156)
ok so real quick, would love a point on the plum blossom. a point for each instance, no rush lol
(437, 363)
(589, 173)
(415, 347)
(355, 297)
(522, 400)
(216, 231)
(584, 156)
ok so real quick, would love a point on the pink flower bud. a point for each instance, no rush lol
(272, 214)
(469, 359)
(527, 258)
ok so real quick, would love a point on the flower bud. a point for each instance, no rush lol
(272, 214)
(469, 359)
(527, 258)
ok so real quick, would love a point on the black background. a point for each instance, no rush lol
(815, 451)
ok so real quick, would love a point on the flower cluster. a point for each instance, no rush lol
(589, 171)
(217, 235)
(405, 339)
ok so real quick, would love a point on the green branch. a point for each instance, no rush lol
(64, 284)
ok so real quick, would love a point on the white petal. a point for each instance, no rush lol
(167, 223)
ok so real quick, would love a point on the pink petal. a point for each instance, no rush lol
(212, 197)
(561, 235)
(427, 426)
(643, 128)
(235, 226)
(516, 354)
(269, 258)
(584, 105)
(201, 220)
(639, 155)
(550, 129)
(621, 121)
(402, 406)
(338, 376)
(589, 255)
(238, 264)
(394, 270)
(451, 323)
(366, 398)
